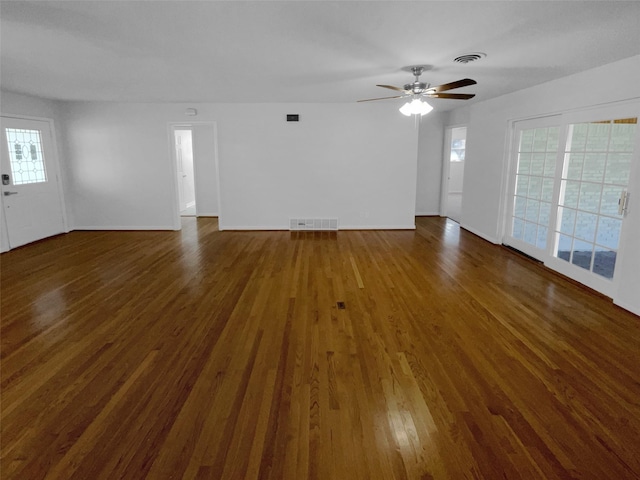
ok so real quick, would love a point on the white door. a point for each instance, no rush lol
(186, 180)
(31, 197)
(456, 173)
(568, 193)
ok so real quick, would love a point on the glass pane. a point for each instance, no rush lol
(585, 226)
(530, 233)
(547, 189)
(570, 196)
(537, 164)
(574, 171)
(567, 221)
(582, 253)
(604, 262)
(545, 210)
(518, 228)
(618, 168)
(590, 197)
(593, 167)
(564, 247)
(535, 187)
(541, 241)
(26, 158)
(540, 140)
(526, 141)
(598, 137)
(553, 136)
(622, 137)
(520, 207)
(532, 211)
(609, 232)
(522, 185)
(524, 163)
(550, 165)
(577, 137)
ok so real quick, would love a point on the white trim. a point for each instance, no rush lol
(127, 228)
(429, 214)
(481, 234)
(377, 227)
(630, 308)
(340, 227)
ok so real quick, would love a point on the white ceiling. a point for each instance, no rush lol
(300, 51)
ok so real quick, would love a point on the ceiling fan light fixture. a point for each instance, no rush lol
(415, 107)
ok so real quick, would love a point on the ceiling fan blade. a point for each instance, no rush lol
(381, 98)
(392, 88)
(455, 96)
(465, 82)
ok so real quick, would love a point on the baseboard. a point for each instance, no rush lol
(631, 308)
(207, 214)
(340, 227)
(258, 228)
(427, 214)
(377, 227)
(481, 235)
(123, 228)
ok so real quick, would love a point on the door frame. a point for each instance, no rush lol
(171, 128)
(446, 168)
(57, 170)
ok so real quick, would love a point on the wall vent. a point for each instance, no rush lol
(313, 224)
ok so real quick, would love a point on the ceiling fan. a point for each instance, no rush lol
(419, 89)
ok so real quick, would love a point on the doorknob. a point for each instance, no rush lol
(6, 194)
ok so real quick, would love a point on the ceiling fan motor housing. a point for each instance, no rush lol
(416, 87)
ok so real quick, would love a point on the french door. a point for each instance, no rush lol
(31, 197)
(569, 191)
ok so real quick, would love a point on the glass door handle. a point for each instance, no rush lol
(6, 194)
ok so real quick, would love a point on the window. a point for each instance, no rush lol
(25, 156)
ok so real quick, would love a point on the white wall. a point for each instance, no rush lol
(27, 106)
(356, 162)
(487, 152)
(430, 154)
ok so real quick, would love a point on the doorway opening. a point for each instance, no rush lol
(183, 139)
(453, 173)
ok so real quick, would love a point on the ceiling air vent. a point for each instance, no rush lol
(469, 57)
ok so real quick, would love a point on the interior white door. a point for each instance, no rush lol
(31, 196)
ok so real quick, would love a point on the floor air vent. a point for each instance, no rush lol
(313, 224)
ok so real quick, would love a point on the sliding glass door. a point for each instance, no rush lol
(569, 190)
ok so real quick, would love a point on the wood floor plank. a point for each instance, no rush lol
(224, 355)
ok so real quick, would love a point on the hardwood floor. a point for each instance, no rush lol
(206, 354)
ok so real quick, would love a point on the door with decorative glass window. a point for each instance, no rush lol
(31, 198)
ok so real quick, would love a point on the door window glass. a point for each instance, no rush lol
(597, 163)
(537, 151)
(25, 155)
